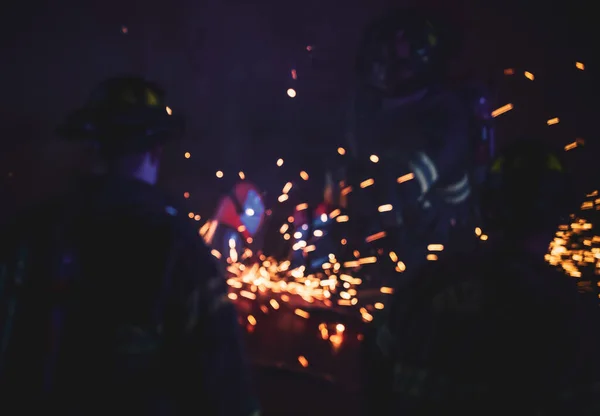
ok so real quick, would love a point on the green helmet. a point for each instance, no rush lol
(527, 188)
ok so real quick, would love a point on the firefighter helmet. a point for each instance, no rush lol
(400, 53)
(124, 114)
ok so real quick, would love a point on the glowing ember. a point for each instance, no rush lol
(385, 208)
(576, 247)
(303, 361)
(406, 178)
(271, 283)
(502, 110)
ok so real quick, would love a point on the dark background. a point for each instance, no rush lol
(226, 65)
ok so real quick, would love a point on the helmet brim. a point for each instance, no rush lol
(134, 128)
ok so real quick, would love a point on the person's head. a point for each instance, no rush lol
(526, 193)
(128, 120)
(400, 53)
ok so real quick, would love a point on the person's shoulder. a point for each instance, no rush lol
(459, 264)
(482, 268)
(30, 224)
(437, 276)
(37, 216)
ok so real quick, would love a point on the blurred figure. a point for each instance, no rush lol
(110, 300)
(409, 130)
(496, 331)
(237, 223)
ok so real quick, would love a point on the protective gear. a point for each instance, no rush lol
(408, 117)
(423, 150)
(527, 187)
(492, 332)
(123, 115)
(151, 308)
(407, 180)
(399, 53)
